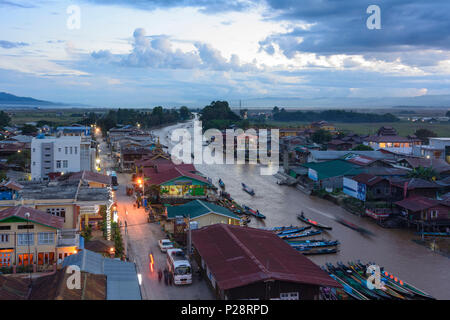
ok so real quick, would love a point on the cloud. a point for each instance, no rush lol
(206, 6)
(158, 52)
(11, 45)
(340, 27)
(17, 4)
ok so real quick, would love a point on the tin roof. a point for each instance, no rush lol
(197, 208)
(121, 277)
(35, 216)
(419, 203)
(238, 256)
(333, 168)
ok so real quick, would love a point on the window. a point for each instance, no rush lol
(46, 238)
(46, 258)
(25, 259)
(434, 214)
(34, 149)
(76, 150)
(70, 150)
(34, 163)
(59, 212)
(5, 227)
(24, 239)
(289, 296)
(67, 150)
(65, 163)
(59, 149)
(58, 164)
(4, 237)
(25, 226)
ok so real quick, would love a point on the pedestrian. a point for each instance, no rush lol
(159, 275)
(170, 279)
(166, 280)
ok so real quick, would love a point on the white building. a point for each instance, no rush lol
(60, 154)
(437, 148)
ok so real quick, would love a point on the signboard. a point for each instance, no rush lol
(355, 189)
(89, 209)
(312, 174)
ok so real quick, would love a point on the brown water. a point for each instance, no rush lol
(389, 248)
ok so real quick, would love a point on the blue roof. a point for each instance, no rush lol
(121, 277)
(198, 208)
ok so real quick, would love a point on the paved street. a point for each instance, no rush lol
(142, 239)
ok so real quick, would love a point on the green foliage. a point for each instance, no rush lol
(424, 134)
(333, 115)
(5, 119)
(118, 242)
(87, 233)
(362, 147)
(423, 173)
(21, 159)
(3, 176)
(28, 129)
(218, 115)
(321, 136)
(185, 113)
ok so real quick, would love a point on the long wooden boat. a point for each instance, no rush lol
(252, 212)
(434, 234)
(316, 224)
(300, 234)
(293, 230)
(354, 226)
(247, 189)
(309, 251)
(313, 243)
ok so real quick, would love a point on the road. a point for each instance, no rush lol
(141, 239)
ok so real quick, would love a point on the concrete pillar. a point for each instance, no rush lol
(86, 220)
(34, 268)
(14, 268)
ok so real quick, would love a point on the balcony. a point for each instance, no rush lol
(68, 238)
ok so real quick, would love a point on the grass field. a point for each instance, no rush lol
(59, 117)
(403, 128)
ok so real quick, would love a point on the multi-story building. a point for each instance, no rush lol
(61, 154)
(437, 148)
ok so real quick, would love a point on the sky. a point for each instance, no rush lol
(142, 53)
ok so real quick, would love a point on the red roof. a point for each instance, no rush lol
(36, 216)
(167, 175)
(367, 179)
(420, 203)
(238, 256)
(90, 176)
(10, 184)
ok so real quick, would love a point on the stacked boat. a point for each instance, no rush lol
(355, 279)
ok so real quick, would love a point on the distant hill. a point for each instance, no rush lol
(10, 99)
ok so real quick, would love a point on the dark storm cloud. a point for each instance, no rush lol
(340, 26)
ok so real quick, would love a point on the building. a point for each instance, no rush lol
(329, 174)
(320, 156)
(52, 287)
(367, 187)
(439, 166)
(247, 263)
(30, 236)
(437, 148)
(74, 130)
(321, 125)
(203, 213)
(121, 277)
(413, 187)
(429, 214)
(337, 144)
(60, 154)
(387, 138)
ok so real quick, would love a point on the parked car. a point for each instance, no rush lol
(165, 244)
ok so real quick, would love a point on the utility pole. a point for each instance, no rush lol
(126, 240)
(189, 235)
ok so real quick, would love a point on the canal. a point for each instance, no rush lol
(389, 248)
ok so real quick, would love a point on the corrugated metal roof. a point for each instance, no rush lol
(198, 208)
(333, 168)
(121, 277)
(238, 256)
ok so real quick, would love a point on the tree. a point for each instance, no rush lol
(22, 159)
(275, 109)
(29, 130)
(424, 134)
(362, 147)
(5, 119)
(448, 113)
(185, 113)
(321, 136)
(423, 173)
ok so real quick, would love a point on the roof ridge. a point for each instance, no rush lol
(243, 247)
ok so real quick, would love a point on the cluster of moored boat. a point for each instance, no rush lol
(292, 234)
(354, 279)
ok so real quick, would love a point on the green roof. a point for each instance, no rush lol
(198, 208)
(333, 168)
